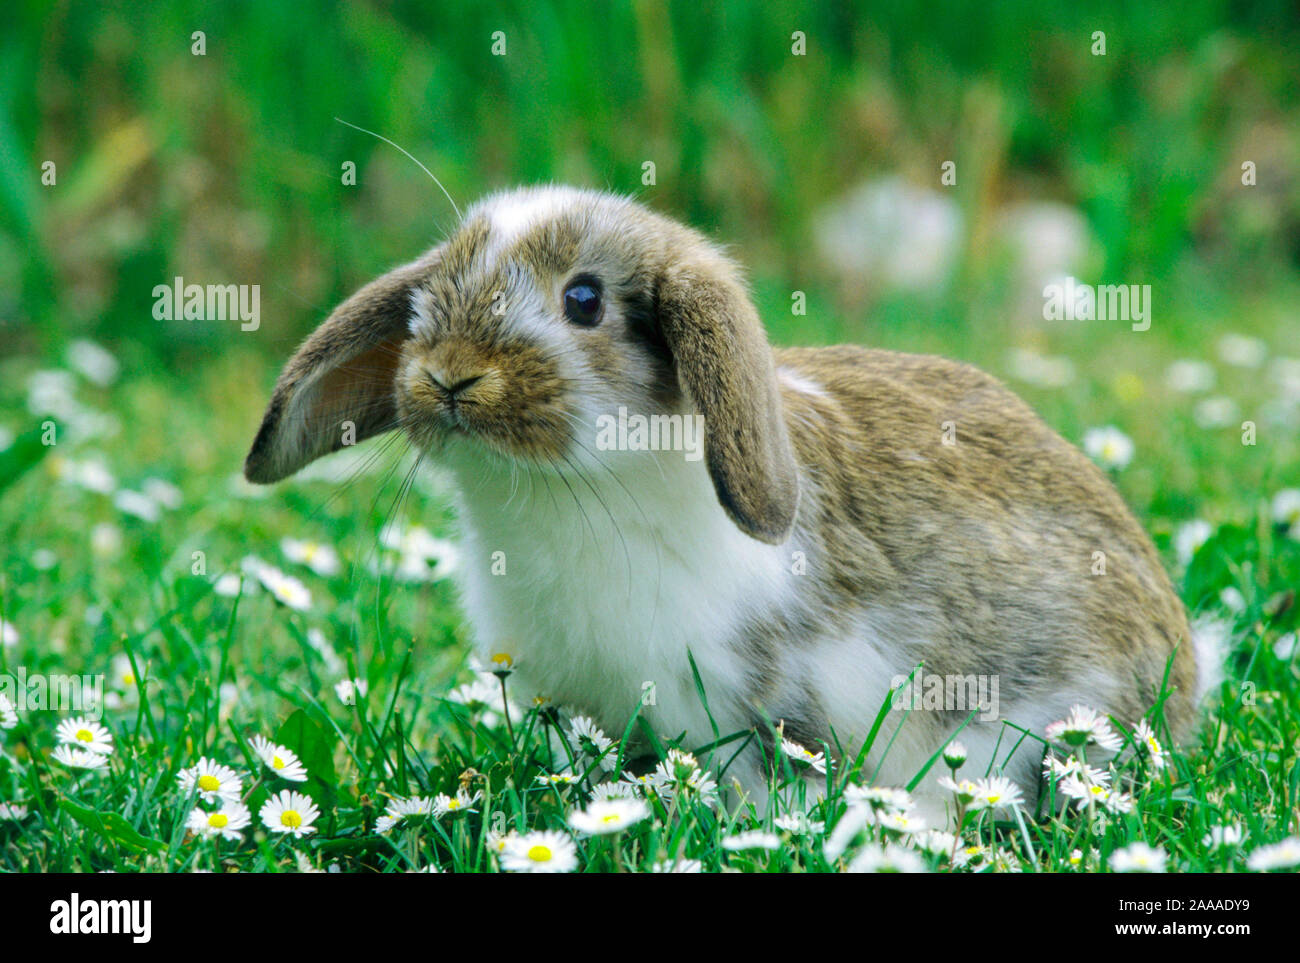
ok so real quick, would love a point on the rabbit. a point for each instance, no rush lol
(852, 513)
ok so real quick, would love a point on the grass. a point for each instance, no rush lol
(225, 169)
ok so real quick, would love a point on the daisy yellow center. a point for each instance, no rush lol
(1109, 450)
(453, 804)
(1097, 790)
(85, 735)
(540, 853)
(277, 762)
(290, 818)
(209, 783)
(218, 820)
(1155, 746)
(128, 679)
(309, 551)
(502, 660)
(609, 818)
(993, 797)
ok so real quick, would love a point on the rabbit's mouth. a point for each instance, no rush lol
(502, 400)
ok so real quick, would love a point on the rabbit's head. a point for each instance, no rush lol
(548, 308)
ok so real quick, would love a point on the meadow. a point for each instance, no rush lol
(306, 638)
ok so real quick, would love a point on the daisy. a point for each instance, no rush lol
(954, 755)
(84, 734)
(936, 842)
(289, 812)
(1076, 857)
(1108, 446)
(801, 755)
(965, 790)
(998, 792)
(444, 805)
(279, 760)
(13, 812)
(609, 816)
(798, 824)
(321, 559)
(848, 828)
(399, 810)
(874, 858)
(79, 758)
(679, 866)
(213, 782)
(1283, 855)
(348, 689)
(1242, 351)
(593, 742)
(123, 672)
(880, 797)
(1190, 376)
(557, 779)
(1286, 509)
(1138, 858)
(226, 823)
(287, 590)
(1146, 739)
(1083, 726)
(754, 839)
(545, 851)
(227, 585)
(898, 822)
(502, 664)
(614, 790)
(136, 504)
(163, 492)
(1222, 837)
(1189, 538)
(8, 715)
(8, 634)
(92, 361)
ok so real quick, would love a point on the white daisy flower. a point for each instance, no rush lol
(8, 714)
(136, 504)
(348, 690)
(1283, 855)
(123, 672)
(614, 790)
(1189, 538)
(227, 822)
(421, 556)
(321, 559)
(753, 839)
(212, 781)
(13, 812)
(105, 540)
(289, 812)
(936, 842)
(84, 734)
(79, 758)
(678, 866)
(1216, 412)
(954, 755)
(603, 817)
(1150, 745)
(1138, 858)
(1286, 509)
(798, 824)
(1224, 837)
(803, 756)
(399, 810)
(998, 792)
(1242, 351)
(287, 590)
(8, 633)
(162, 492)
(965, 790)
(227, 585)
(874, 858)
(279, 760)
(880, 797)
(1076, 857)
(444, 805)
(544, 851)
(557, 779)
(1284, 647)
(592, 741)
(1190, 377)
(1232, 600)
(1108, 446)
(898, 822)
(1084, 726)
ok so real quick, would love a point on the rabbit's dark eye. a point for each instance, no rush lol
(583, 303)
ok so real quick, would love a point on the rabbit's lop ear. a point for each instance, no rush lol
(724, 366)
(338, 388)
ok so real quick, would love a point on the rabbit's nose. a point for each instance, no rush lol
(452, 384)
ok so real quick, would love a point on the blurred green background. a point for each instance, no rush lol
(226, 168)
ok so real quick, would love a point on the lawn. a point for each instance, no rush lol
(209, 616)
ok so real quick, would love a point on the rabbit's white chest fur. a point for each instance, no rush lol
(604, 591)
